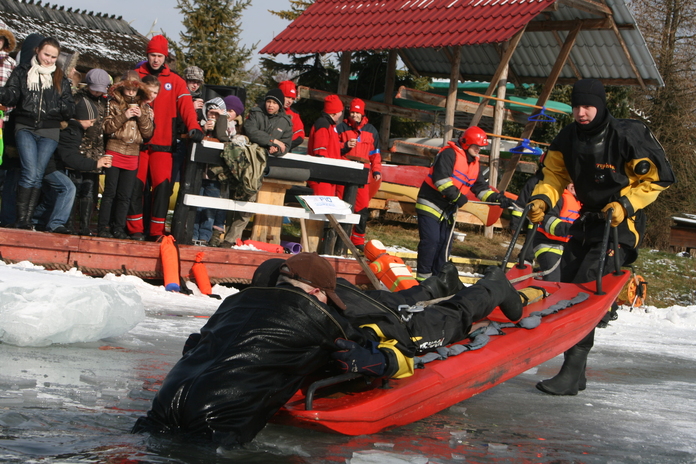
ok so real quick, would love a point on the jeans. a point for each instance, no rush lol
(206, 218)
(58, 194)
(34, 153)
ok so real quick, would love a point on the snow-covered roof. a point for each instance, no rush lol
(103, 41)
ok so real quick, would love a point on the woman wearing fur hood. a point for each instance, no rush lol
(128, 124)
(7, 63)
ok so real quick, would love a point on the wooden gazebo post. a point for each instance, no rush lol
(385, 128)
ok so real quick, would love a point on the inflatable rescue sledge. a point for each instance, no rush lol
(357, 407)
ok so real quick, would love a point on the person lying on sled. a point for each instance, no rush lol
(258, 348)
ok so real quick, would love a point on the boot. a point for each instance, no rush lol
(571, 376)
(446, 283)
(23, 195)
(503, 294)
(85, 215)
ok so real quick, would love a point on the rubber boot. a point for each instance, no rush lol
(503, 294)
(23, 195)
(85, 215)
(568, 380)
(446, 283)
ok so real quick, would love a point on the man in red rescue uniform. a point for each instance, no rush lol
(324, 141)
(155, 161)
(360, 142)
(454, 173)
(290, 93)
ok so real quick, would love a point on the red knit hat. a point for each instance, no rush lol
(158, 44)
(333, 104)
(288, 88)
(357, 106)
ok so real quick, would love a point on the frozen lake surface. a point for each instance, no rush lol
(76, 403)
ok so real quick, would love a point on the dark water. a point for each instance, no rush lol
(77, 403)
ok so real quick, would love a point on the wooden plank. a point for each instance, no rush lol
(504, 62)
(683, 237)
(267, 228)
(461, 105)
(377, 107)
(256, 208)
(451, 103)
(541, 101)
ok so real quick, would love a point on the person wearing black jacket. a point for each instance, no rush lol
(58, 189)
(615, 164)
(262, 343)
(42, 98)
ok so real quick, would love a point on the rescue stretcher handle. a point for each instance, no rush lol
(515, 236)
(605, 245)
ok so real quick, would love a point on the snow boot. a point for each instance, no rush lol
(22, 203)
(85, 215)
(571, 377)
(503, 294)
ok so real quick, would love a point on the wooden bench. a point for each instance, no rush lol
(271, 196)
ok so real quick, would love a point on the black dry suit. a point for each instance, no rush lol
(257, 349)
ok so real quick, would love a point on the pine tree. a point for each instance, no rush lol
(212, 39)
(297, 7)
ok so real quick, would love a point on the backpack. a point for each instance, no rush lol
(243, 169)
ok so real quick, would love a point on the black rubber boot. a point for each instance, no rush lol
(23, 195)
(503, 294)
(444, 284)
(571, 376)
(85, 215)
(26, 222)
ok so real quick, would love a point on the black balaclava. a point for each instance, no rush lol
(590, 92)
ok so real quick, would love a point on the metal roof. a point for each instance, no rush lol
(340, 25)
(423, 30)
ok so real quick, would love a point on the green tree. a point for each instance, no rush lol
(212, 39)
(669, 28)
(297, 7)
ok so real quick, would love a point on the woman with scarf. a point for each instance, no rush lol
(42, 97)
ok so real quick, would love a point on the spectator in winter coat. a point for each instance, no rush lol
(360, 142)
(263, 342)
(92, 146)
(269, 127)
(42, 97)
(290, 93)
(7, 63)
(208, 221)
(324, 141)
(128, 124)
(58, 189)
(194, 77)
(155, 162)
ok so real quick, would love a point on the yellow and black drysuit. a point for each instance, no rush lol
(618, 160)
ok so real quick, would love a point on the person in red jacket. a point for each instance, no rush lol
(323, 141)
(360, 142)
(155, 161)
(290, 93)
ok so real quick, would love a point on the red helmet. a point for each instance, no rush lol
(473, 136)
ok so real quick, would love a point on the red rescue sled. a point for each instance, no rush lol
(442, 384)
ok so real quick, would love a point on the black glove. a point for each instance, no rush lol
(360, 360)
(502, 200)
(505, 202)
(461, 201)
(196, 135)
